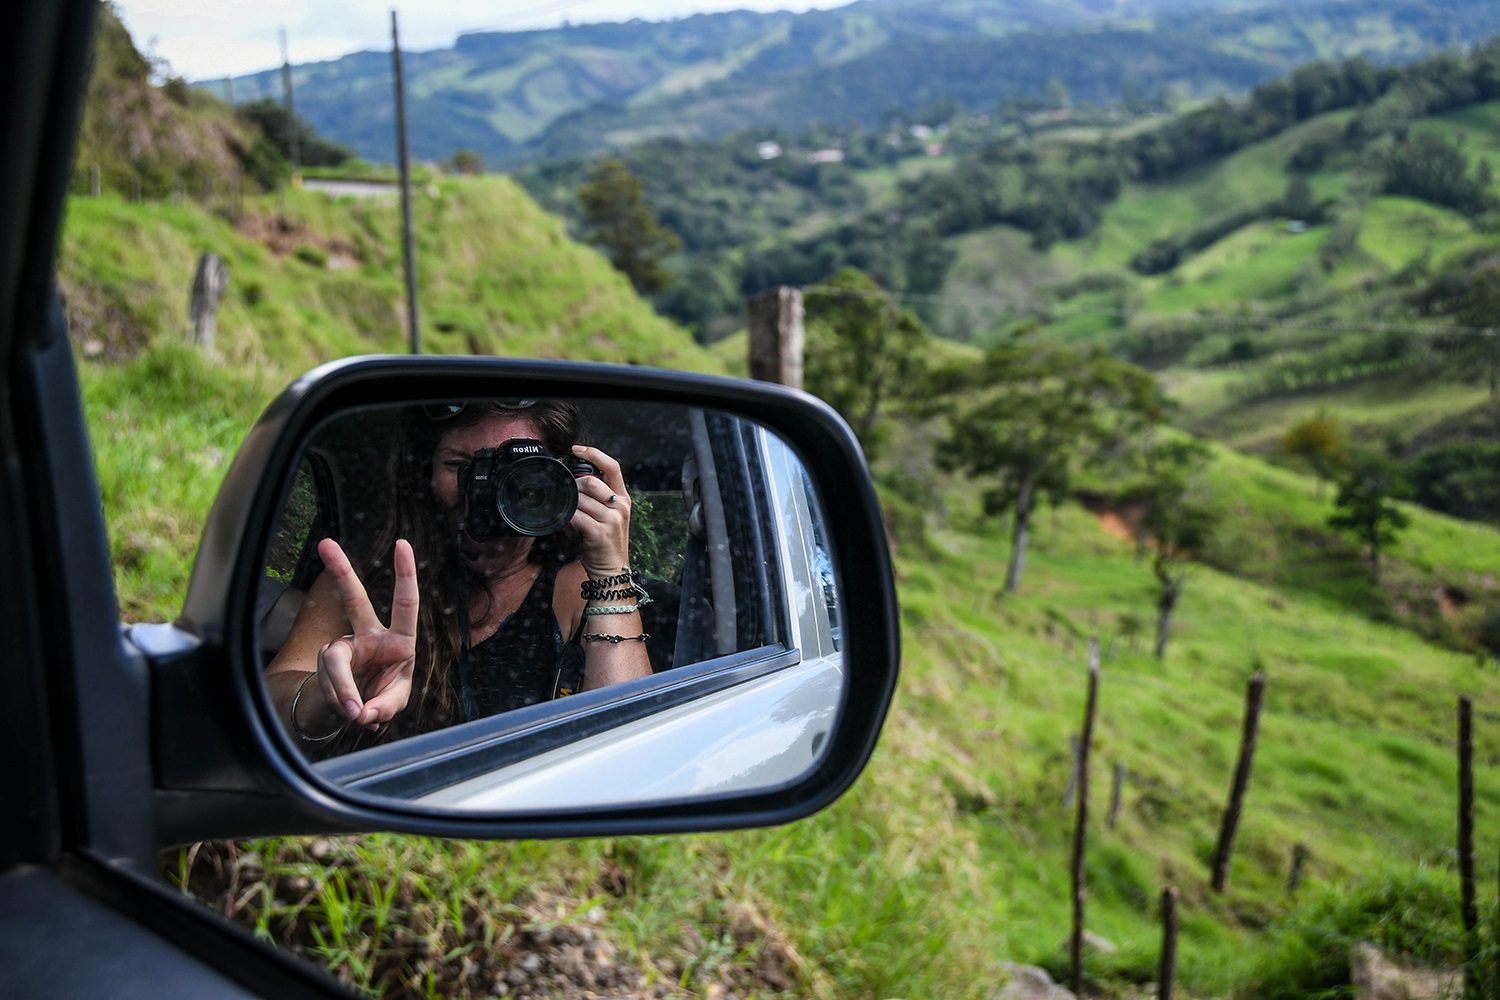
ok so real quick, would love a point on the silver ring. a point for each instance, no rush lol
(613, 497)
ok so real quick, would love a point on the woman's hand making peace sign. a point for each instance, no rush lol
(366, 676)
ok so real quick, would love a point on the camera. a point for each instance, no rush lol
(519, 488)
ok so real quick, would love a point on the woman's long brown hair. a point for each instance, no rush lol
(446, 581)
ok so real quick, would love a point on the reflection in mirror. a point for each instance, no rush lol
(506, 604)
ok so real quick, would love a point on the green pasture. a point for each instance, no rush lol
(1245, 179)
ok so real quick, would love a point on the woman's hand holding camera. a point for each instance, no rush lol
(603, 517)
(366, 676)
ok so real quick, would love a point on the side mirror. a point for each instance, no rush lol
(739, 678)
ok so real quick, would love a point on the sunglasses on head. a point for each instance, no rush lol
(447, 411)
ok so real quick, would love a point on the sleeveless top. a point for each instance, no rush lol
(525, 661)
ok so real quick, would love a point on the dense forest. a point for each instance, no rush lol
(739, 216)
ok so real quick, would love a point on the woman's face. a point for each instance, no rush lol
(457, 447)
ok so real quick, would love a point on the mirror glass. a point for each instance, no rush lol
(499, 605)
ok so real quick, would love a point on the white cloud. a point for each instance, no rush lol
(204, 40)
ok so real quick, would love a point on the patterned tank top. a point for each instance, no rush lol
(525, 661)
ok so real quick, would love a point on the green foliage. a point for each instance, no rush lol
(1409, 911)
(1363, 506)
(1425, 166)
(1461, 478)
(864, 354)
(1319, 442)
(466, 161)
(269, 116)
(1176, 515)
(620, 223)
(1027, 416)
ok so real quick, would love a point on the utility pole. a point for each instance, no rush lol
(408, 256)
(293, 144)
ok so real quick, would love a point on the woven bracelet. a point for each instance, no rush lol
(612, 609)
(615, 640)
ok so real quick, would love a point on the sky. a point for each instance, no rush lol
(202, 39)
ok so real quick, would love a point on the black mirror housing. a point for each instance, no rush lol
(226, 768)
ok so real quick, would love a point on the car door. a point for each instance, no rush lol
(80, 910)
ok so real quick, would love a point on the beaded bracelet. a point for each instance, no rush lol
(612, 609)
(615, 640)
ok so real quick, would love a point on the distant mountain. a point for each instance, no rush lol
(519, 96)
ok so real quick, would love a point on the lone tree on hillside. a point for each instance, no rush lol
(863, 352)
(619, 222)
(270, 116)
(1319, 442)
(1363, 506)
(466, 161)
(1177, 520)
(1028, 415)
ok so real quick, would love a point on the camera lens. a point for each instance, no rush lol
(536, 496)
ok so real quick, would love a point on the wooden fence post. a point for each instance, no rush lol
(1080, 826)
(1254, 696)
(1072, 788)
(776, 336)
(209, 285)
(1168, 970)
(1466, 844)
(1116, 788)
(1299, 858)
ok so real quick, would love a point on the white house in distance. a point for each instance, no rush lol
(768, 150)
(826, 156)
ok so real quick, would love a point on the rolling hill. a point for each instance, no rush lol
(518, 96)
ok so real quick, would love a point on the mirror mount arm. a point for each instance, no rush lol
(211, 781)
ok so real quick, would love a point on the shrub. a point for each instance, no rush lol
(1408, 911)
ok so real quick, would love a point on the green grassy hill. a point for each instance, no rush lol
(317, 281)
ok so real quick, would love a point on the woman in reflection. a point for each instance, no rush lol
(485, 630)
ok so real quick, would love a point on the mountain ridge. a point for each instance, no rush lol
(518, 96)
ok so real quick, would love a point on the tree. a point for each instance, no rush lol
(1363, 506)
(1177, 520)
(1298, 201)
(466, 161)
(1319, 442)
(269, 115)
(863, 351)
(1055, 94)
(619, 222)
(1029, 414)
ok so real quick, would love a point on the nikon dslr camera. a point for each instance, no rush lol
(519, 488)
